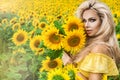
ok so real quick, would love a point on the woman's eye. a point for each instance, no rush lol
(92, 20)
(83, 21)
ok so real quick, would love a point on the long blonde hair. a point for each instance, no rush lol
(107, 29)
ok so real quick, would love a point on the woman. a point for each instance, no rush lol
(101, 52)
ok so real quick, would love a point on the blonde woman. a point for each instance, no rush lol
(101, 52)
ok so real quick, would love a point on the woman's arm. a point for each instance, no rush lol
(95, 76)
(66, 59)
(82, 76)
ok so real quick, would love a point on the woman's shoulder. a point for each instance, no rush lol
(99, 60)
(101, 48)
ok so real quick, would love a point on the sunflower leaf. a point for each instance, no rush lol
(53, 53)
(41, 44)
(58, 25)
(43, 75)
(71, 74)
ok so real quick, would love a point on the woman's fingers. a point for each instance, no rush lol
(66, 59)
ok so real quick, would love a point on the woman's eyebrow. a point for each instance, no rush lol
(89, 18)
(92, 18)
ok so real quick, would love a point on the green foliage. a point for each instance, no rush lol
(71, 74)
(118, 28)
(6, 15)
(53, 53)
(22, 64)
(58, 24)
(43, 75)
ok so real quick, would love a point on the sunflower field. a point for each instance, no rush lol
(35, 33)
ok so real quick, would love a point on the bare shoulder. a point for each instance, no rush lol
(100, 48)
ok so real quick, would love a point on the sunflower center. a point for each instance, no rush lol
(57, 77)
(52, 64)
(73, 26)
(20, 37)
(42, 25)
(73, 41)
(54, 38)
(36, 44)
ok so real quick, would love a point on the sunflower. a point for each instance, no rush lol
(13, 21)
(73, 24)
(4, 21)
(39, 51)
(32, 33)
(104, 77)
(72, 71)
(36, 16)
(118, 36)
(70, 67)
(116, 21)
(49, 64)
(16, 26)
(50, 19)
(52, 39)
(20, 37)
(35, 23)
(35, 42)
(45, 30)
(42, 25)
(22, 20)
(74, 41)
(19, 50)
(58, 74)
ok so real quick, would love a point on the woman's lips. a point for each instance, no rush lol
(88, 31)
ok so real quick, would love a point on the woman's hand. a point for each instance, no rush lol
(66, 59)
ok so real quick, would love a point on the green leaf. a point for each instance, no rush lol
(13, 75)
(71, 74)
(38, 32)
(53, 53)
(43, 19)
(41, 44)
(43, 75)
(58, 25)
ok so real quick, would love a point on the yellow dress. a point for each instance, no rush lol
(98, 63)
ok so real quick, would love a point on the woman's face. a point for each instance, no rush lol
(91, 21)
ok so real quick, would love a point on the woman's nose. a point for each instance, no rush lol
(87, 24)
